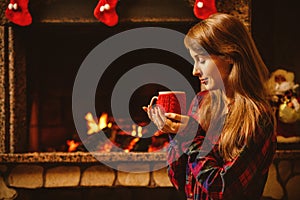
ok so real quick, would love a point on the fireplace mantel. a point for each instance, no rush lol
(81, 11)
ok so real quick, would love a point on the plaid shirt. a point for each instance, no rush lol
(202, 174)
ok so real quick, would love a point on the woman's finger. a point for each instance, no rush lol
(161, 114)
(151, 113)
(172, 126)
(177, 117)
(173, 116)
(159, 118)
(145, 108)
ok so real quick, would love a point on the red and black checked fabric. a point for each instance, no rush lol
(205, 176)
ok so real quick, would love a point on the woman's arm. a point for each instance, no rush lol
(178, 147)
(239, 177)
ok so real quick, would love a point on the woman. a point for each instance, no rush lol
(223, 148)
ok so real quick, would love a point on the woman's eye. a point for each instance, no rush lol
(201, 60)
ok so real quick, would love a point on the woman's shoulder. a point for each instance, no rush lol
(201, 96)
(266, 125)
(200, 102)
(266, 120)
(202, 93)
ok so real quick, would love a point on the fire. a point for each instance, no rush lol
(93, 126)
(136, 131)
(140, 130)
(72, 145)
(153, 148)
(106, 147)
(96, 125)
(131, 145)
(133, 132)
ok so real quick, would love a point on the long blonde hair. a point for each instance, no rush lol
(224, 35)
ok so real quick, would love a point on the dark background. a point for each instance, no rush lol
(276, 31)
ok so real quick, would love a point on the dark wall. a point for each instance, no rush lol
(276, 31)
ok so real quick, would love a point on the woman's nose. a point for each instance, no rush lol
(196, 71)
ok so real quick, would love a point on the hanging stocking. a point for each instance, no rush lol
(204, 8)
(18, 13)
(106, 13)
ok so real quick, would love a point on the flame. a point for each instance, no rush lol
(103, 121)
(106, 147)
(140, 130)
(131, 145)
(154, 148)
(136, 131)
(93, 126)
(133, 132)
(72, 145)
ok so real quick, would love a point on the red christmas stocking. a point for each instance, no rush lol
(106, 13)
(17, 12)
(204, 8)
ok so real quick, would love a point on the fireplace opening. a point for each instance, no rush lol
(53, 55)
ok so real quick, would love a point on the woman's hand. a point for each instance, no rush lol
(166, 122)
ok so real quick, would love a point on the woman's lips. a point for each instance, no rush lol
(204, 80)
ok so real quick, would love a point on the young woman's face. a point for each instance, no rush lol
(213, 71)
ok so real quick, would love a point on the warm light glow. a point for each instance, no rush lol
(140, 130)
(106, 147)
(72, 145)
(154, 149)
(136, 131)
(103, 121)
(131, 145)
(93, 126)
(133, 132)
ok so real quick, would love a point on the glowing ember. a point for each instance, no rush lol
(72, 145)
(131, 144)
(153, 148)
(106, 147)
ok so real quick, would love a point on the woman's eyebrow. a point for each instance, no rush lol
(201, 55)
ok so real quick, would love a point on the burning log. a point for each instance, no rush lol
(105, 135)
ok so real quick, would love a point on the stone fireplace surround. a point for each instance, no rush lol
(22, 171)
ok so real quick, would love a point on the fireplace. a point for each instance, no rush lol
(42, 60)
(54, 54)
(39, 64)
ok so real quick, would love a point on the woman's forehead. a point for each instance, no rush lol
(198, 53)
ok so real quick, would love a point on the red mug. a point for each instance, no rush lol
(171, 101)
